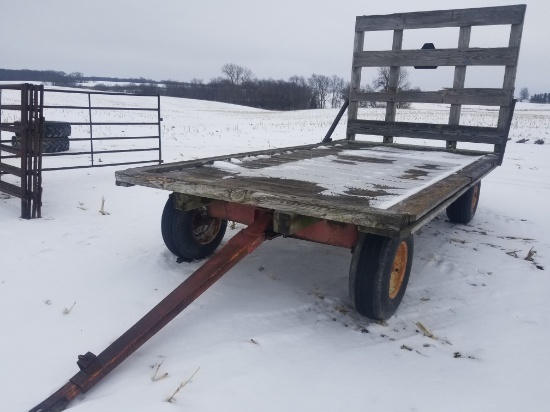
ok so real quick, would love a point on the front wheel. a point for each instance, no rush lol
(191, 234)
(379, 274)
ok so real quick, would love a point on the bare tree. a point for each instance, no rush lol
(524, 94)
(363, 103)
(382, 82)
(237, 75)
(320, 85)
(382, 79)
(335, 89)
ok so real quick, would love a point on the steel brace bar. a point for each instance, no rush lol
(94, 368)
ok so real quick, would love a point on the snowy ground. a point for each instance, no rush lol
(277, 333)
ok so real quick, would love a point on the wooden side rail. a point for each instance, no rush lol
(461, 57)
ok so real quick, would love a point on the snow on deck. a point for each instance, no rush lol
(382, 175)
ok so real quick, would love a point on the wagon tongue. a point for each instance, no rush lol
(94, 368)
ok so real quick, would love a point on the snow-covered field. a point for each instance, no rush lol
(277, 332)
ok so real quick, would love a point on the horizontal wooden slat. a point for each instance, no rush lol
(443, 18)
(479, 96)
(12, 170)
(10, 189)
(9, 128)
(10, 107)
(496, 56)
(427, 131)
(10, 149)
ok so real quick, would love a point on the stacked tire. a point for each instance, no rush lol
(56, 137)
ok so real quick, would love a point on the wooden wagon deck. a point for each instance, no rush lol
(380, 188)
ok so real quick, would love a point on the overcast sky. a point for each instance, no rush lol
(185, 39)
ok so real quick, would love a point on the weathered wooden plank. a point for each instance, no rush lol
(477, 96)
(458, 81)
(505, 113)
(471, 134)
(393, 82)
(12, 170)
(355, 85)
(443, 18)
(422, 202)
(495, 56)
(363, 144)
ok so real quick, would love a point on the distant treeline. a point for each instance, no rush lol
(239, 86)
(59, 78)
(540, 98)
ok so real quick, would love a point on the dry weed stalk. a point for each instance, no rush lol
(67, 311)
(182, 385)
(425, 330)
(530, 255)
(102, 209)
(154, 378)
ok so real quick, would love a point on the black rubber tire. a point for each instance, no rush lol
(49, 145)
(56, 129)
(190, 235)
(379, 274)
(55, 145)
(53, 129)
(463, 209)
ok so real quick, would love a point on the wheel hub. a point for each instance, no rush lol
(205, 228)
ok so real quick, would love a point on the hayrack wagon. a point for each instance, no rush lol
(368, 196)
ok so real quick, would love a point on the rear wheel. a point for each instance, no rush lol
(379, 274)
(463, 209)
(191, 234)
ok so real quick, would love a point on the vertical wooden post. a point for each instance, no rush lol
(355, 85)
(393, 82)
(459, 80)
(508, 84)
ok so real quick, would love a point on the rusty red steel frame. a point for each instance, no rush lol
(94, 368)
